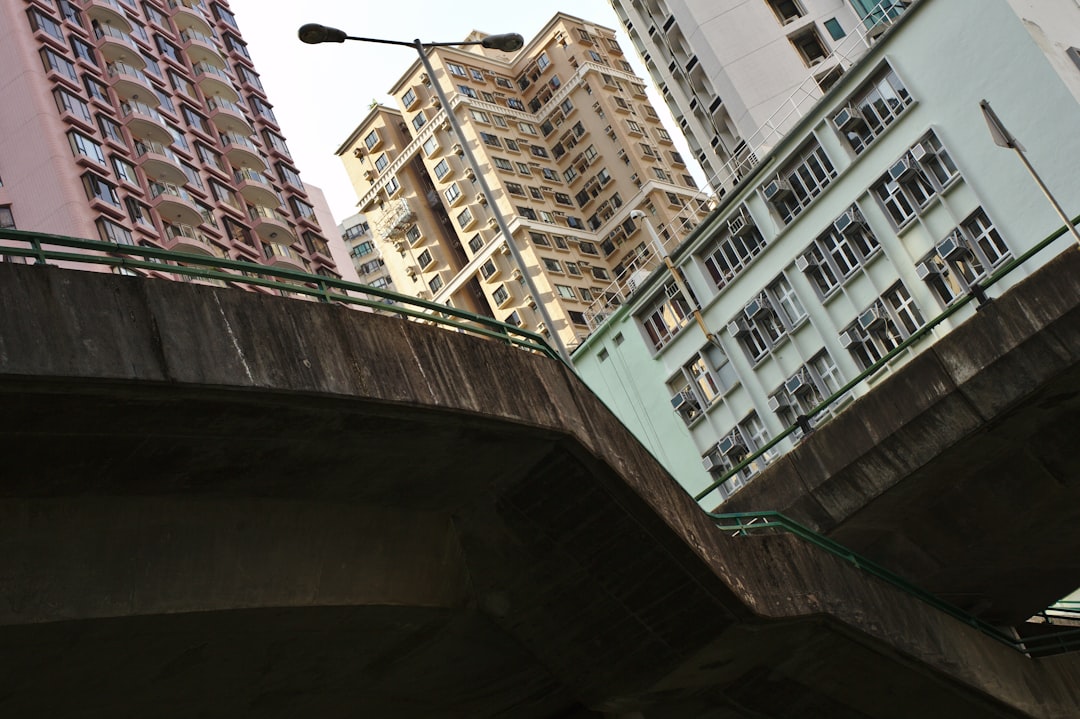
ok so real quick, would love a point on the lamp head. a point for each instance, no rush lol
(314, 33)
(507, 42)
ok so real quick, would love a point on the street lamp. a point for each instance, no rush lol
(314, 34)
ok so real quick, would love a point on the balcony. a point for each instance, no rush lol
(201, 48)
(281, 255)
(241, 151)
(256, 188)
(174, 204)
(395, 219)
(213, 81)
(186, 238)
(190, 15)
(145, 122)
(270, 225)
(116, 44)
(159, 162)
(108, 12)
(129, 81)
(228, 117)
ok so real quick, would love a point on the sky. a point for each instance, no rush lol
(320, 93)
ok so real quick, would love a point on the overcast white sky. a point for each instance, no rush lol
(321, 92)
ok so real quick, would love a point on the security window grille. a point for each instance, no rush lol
(727, 258)
(914, 179)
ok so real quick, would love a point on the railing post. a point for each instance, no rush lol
(35, 243)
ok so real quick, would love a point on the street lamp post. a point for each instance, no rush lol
(314, 34)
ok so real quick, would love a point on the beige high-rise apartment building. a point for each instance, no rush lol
(145, 123)
(570, 146)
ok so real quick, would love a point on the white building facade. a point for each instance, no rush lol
(883, 206)
(737, 74)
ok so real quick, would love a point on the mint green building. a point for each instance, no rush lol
(879, 208)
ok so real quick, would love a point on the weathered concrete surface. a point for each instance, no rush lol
(217, 503)
(960, 471)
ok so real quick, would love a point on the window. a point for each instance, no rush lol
(501, 295)
(83, 51)
(708, 375)
(490, 140)
(527, 212)
(452, 193)
(109, 231)
(515, 104)
(523, 169)
(408, 98)
(7, 219)
(67, 102)
(125, 171)
(424, 258)
(786, 10)
(419, 121)
(464, 218)
(100, 189)
(512, 145)
(882, 326)
(733, 251)
(515, 189)
(413, 234)
(83, 145)
(363, 248)
(566, 292)
(539, 239)
(476, 242)
(435, 284)
(837, 253)
(914, 180)
(371, 139)
(538, 151)
(963, 258)
(802, 180)
(392, 186)
(668, 314)
(41, 21)
(58, 63)
(811, 48)
(767, 319)
(553, 266)
(456, 69)
(873, 108)
(836, 32)
(442, 169)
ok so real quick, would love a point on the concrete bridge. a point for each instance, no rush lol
(216, 503)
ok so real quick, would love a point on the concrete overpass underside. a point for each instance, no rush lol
(216, 503)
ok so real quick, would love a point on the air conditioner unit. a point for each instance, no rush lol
(469, 173)
(778, 402)
(805, 261)
(456, 149)
(424, 77)
(531, 302)
(504, 249)
(434, 100)
(756, 306)
(777, 190)
(516, 275)
(740, 223)
(685, 401)
(904, 169)
(953, 247)
(849, 222)
(637, 279)
(370, 175)
(798, 383)
(926, 269)
(400, 245)
(541, 328)
(412, 271)
(712, 461)
(849, 117)
(920, 150)
(731, 444)
(738, 327)
(849, 338)
(481, 198)
(872, 318)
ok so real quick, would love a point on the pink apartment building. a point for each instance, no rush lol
(144, 122)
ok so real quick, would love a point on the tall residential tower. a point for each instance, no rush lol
(569, 144)
(145, 123)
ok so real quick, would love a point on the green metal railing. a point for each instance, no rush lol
(45, 249)
(978, 292)
(745, 523)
